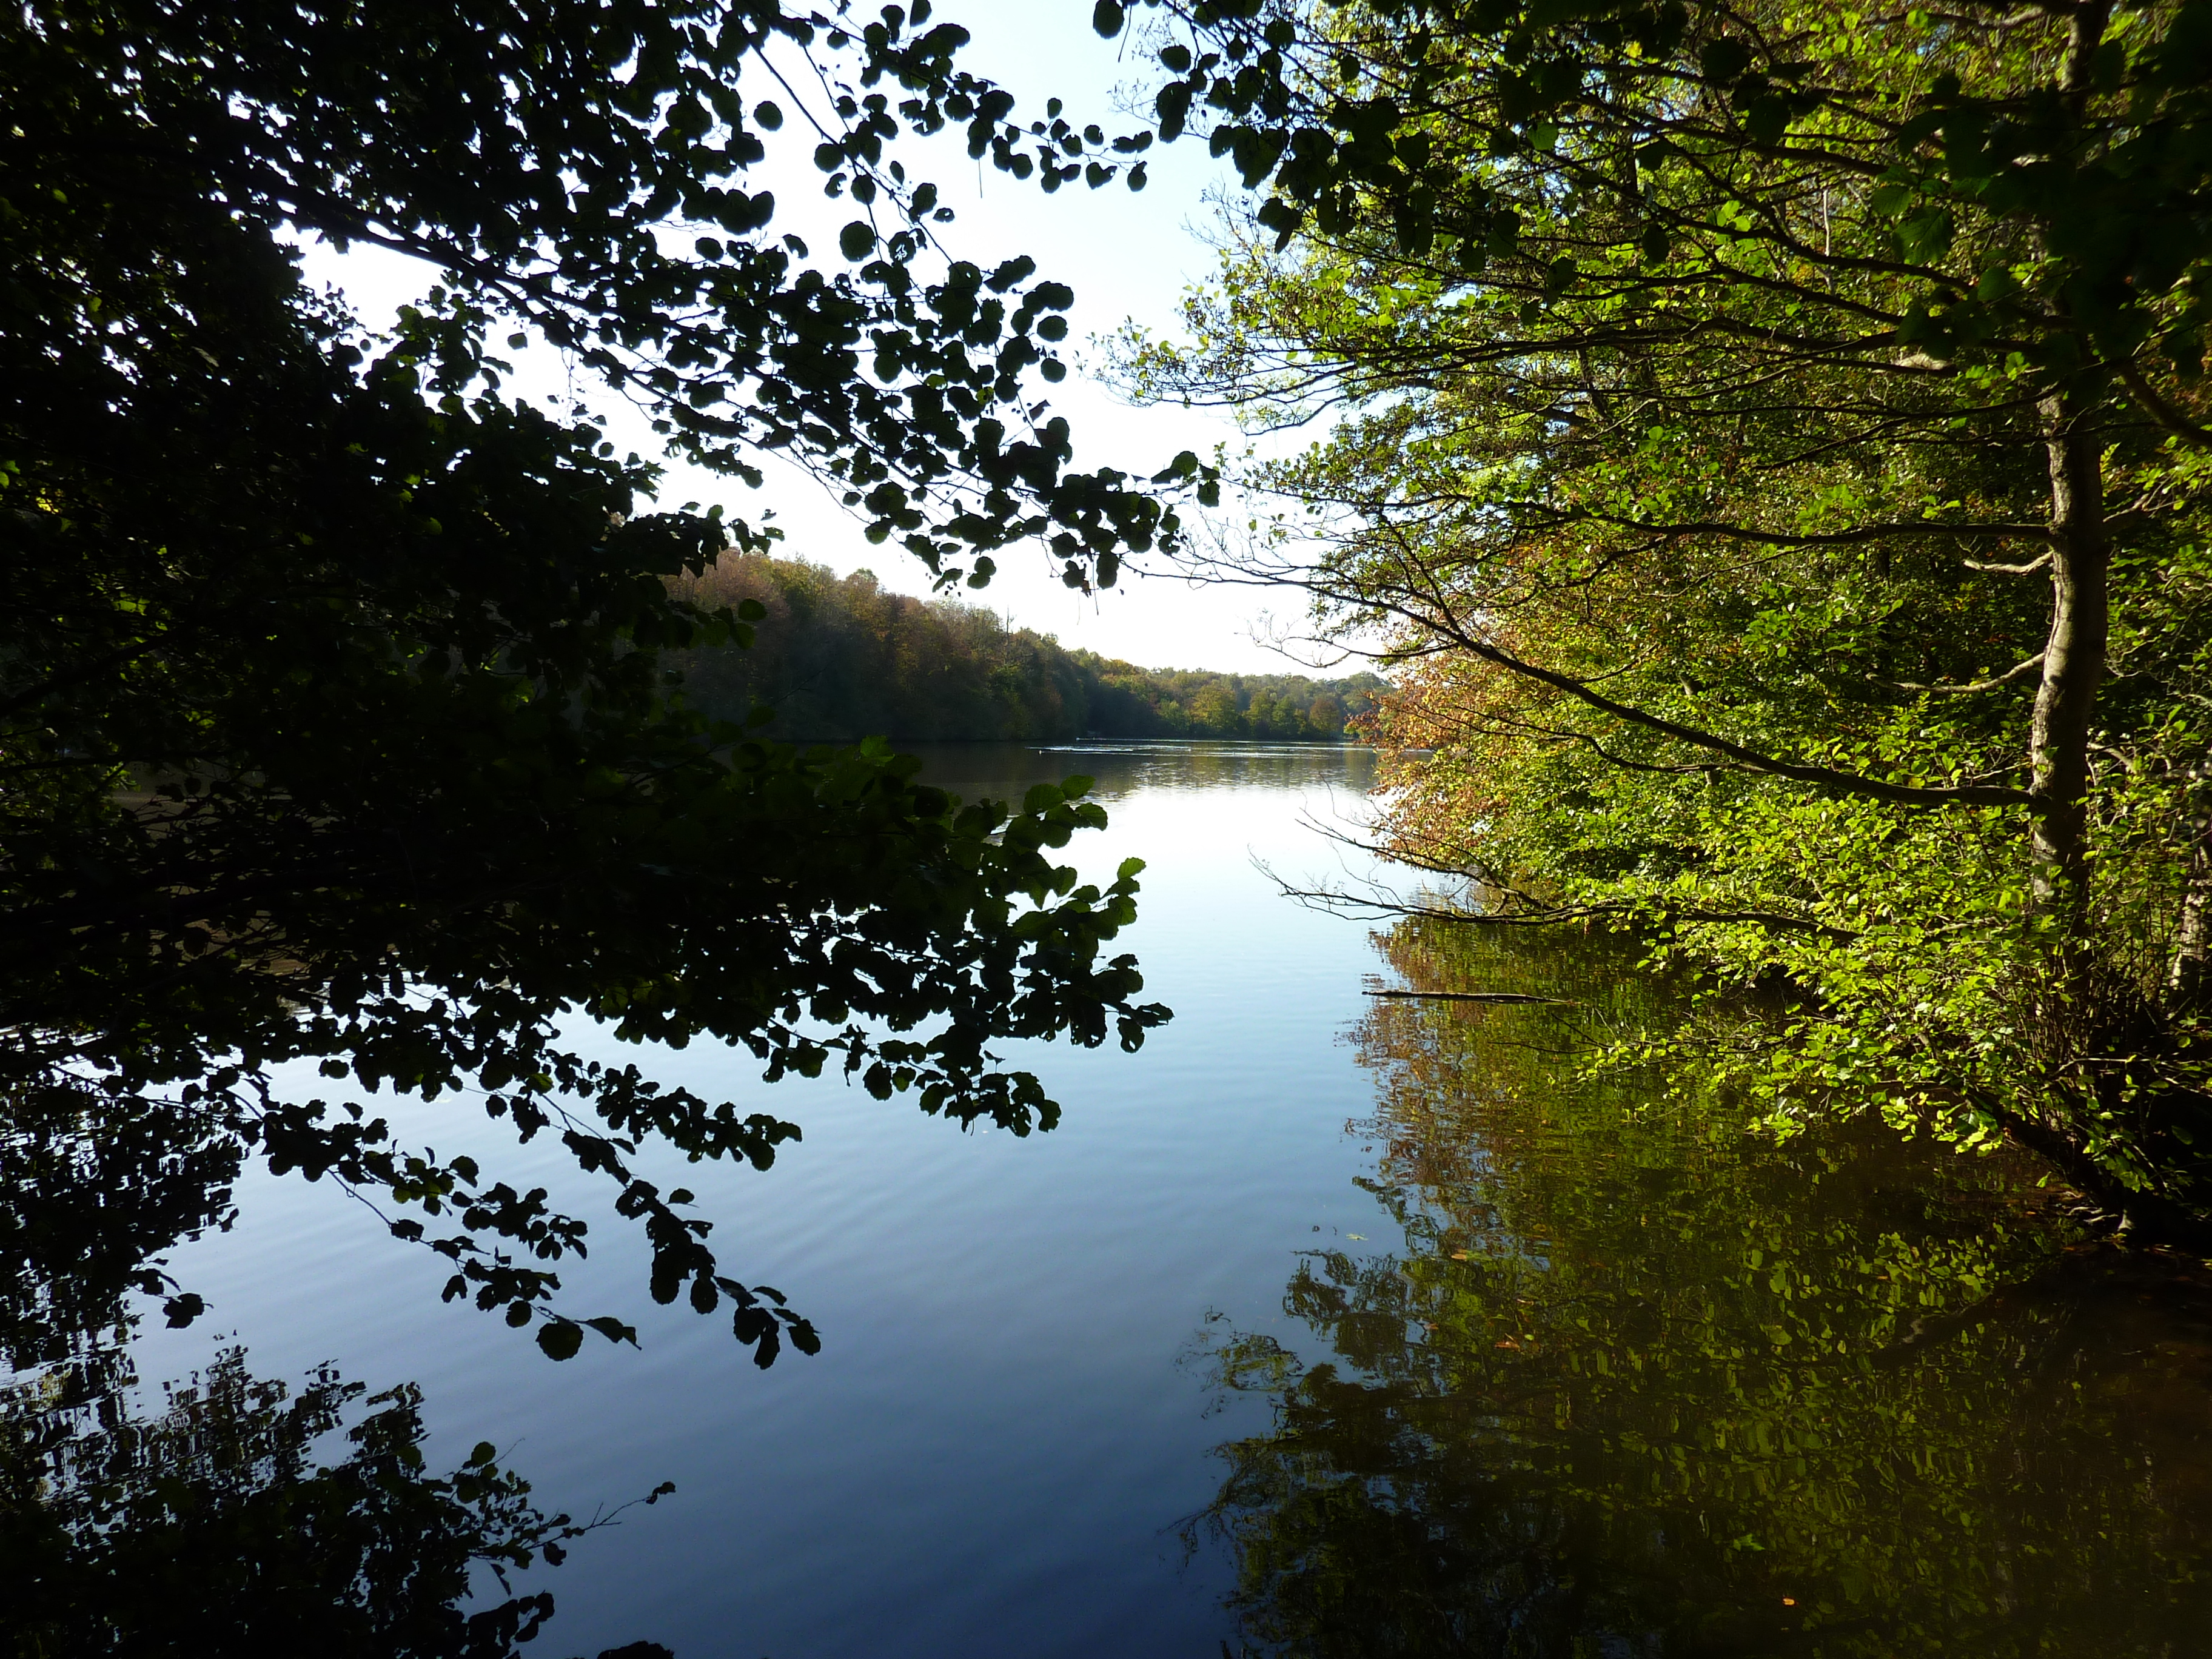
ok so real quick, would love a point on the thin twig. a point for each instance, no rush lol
(1476, 996)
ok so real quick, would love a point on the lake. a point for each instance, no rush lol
(1326, 1324)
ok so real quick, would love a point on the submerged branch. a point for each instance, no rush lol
(1475, 996)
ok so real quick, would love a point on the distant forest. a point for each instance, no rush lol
(838, 657)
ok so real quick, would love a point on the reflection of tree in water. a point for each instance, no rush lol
(94, 1188)
(1003, 771)
(241, 1517)
(212, 1528)
(1642, 1382)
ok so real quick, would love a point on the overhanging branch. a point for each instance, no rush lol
(1851, 783)
(2165, 413)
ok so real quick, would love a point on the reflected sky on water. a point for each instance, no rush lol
(993, 1450)
(1320, 1326)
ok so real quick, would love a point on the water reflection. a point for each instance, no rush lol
(1624, 1382)
(239, 1515)
(961, 1487)
(1638, 1383)
(1004, 771)
(95, 1189)
(211, 1526)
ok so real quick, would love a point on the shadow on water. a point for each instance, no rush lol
(1641, 1380)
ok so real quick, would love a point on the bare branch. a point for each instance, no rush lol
(2041, 561)
(2017, 673)
(1870, 532)
(1626, 912)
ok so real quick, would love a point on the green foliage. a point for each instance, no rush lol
(1448, 124)
(332, 713)
(1774, 441)
(588, 134)
(838, 657)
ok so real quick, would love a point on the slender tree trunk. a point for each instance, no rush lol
(2073, 661)
(2192, 952)
(2080, 605)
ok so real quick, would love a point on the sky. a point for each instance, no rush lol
(1127, 256)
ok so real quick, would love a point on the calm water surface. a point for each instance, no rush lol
(1324, 1325)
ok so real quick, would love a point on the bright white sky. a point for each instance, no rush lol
(1126, 255)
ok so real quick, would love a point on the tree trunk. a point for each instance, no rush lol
(2136, 1215)
(2192, 953)
(2073, 661)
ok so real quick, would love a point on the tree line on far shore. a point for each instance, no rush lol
(838, 657)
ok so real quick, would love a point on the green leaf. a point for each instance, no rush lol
(1724, 60)
(1172, 106)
